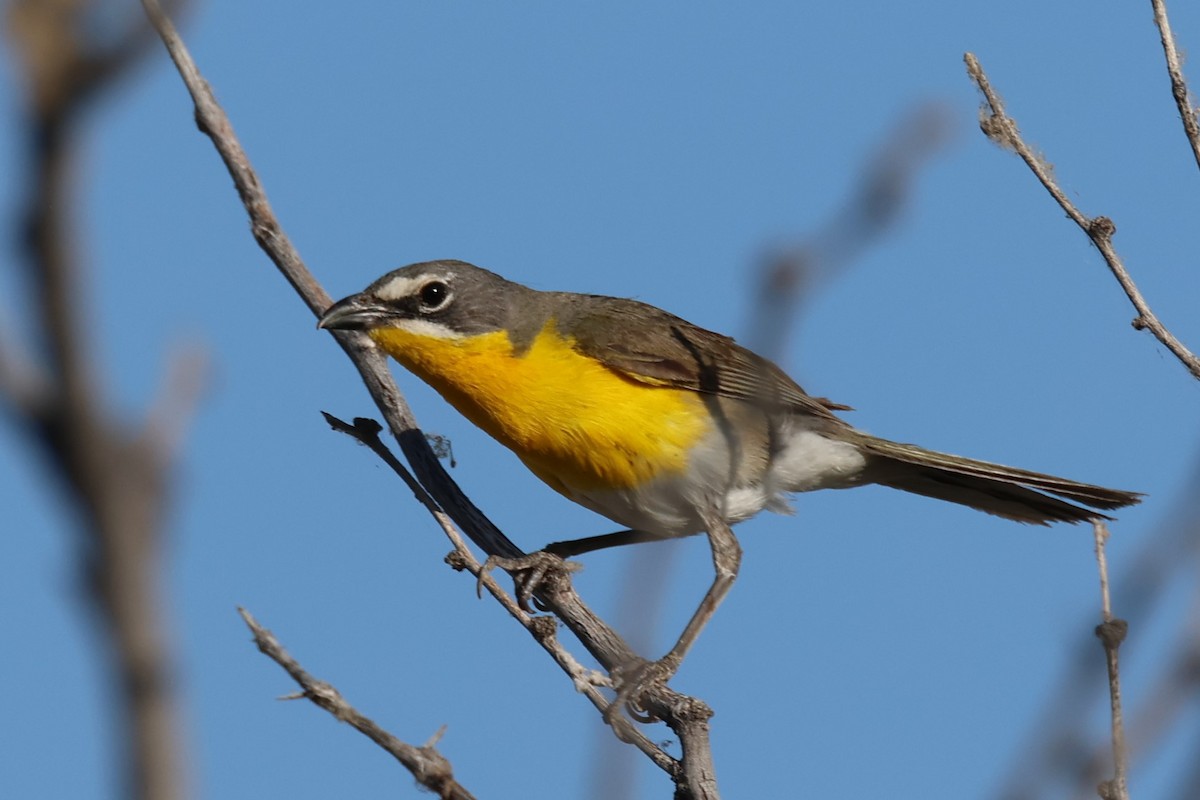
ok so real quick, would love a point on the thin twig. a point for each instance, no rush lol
(1189, 115)
(1058, 752)
(878, 199)
(1002, 129)
(431, 769)
(1100, 533)
(1111, 632)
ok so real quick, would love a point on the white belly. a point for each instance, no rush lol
(668, 506)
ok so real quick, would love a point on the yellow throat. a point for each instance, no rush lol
(576, 424)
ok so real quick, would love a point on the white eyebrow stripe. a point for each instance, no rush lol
(400, 286)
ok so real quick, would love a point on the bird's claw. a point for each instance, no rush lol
(529, 573)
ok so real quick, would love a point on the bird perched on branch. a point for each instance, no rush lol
(658, 424)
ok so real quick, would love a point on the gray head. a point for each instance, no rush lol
(448, 299)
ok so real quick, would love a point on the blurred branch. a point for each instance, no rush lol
(67, 58)
(1173, 694)
(688, 717)
(431, 769)
(1189, 115)
(883, 190)
(184, 381)
(1002, 129)
(23, 386)
(116, 475)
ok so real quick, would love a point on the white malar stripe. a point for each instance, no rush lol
(428, 328)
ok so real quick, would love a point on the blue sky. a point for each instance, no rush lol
(643, 150)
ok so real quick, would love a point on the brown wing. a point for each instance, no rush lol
(648, 344)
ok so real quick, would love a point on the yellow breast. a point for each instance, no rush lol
(575, 423)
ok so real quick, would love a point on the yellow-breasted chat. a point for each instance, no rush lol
(658, 424)
(642, 416)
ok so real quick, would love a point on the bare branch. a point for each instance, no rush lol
(686, 716)
(541, 628)
(371, 364)
(1002, 129)
(1189, 115)
(1111, 632)
(431, 769)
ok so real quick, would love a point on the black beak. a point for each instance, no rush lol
(358, 312)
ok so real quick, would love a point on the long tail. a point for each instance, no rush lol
(1016, 494)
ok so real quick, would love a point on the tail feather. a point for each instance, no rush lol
(994, 488)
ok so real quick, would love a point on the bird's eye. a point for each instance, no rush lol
(434, 295)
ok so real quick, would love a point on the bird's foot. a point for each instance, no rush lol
(529, 573)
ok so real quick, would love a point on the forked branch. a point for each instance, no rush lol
(1002, 129)
(431, 769)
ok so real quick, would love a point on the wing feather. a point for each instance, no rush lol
(647, 344)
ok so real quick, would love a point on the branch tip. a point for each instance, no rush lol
(436, 737)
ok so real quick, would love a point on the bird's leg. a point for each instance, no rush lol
(589, 544)
(727, 558)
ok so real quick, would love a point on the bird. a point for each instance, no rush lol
(658, 424)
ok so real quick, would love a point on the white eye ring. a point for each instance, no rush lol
(434, 295)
